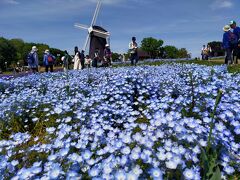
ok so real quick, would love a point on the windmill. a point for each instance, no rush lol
(97, 36)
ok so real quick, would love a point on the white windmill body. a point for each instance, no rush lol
(97, 36)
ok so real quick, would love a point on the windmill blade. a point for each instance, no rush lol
(80, 26)
(86, 42)
(96, 13)
(100, 3)
(101, 32)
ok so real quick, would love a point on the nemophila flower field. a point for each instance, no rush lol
(167, 122)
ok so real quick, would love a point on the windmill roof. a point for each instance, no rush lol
(99, 28)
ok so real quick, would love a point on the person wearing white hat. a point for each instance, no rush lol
(48, 60)
(228, 38)
(32, 59)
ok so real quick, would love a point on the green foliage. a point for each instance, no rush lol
(210, 156)
(8, 53)
(216, 47)
(209, 164)
(115, 56)
(171, 52)
(16, 50)
(19, 45)
(142, 120)
(183, 53)
(151, 46)
(219, 96)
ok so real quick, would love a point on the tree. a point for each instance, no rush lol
(171, 52)
(115, 56)
(217, 49)
(183, 53)
(151, 46)
(7, 53)
(19, 45)
(16, 50)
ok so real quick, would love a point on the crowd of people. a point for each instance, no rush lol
(80, 61)
(206, 52)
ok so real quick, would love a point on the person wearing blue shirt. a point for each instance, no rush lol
(236, 31)
(33, 59)
(48, 60)
(226, 44)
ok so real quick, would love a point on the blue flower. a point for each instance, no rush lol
(86, 154)
(189, 174)
(94, 172)
(229, 170)
(156, 173)
(120, 175)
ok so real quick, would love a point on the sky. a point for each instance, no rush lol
(183, 23)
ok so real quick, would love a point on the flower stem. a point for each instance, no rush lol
(218, 99)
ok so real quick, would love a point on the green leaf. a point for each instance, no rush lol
(216, 175)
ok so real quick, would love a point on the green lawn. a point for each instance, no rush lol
(235, 68)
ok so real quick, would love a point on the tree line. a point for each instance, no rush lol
(155, 49)
(14, 52)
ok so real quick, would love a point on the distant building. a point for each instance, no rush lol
(143, 54)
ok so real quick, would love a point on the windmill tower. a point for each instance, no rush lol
(97, 36)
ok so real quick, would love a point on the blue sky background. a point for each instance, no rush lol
(182, 23)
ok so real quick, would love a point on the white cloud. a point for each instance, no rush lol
(219, 4)
(13, 2)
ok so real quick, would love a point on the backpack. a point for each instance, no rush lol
(233, 41)
(30, 58)
(50, 59)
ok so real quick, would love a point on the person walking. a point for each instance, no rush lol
(88, 61)
(202, 52)
(124, 58)
(236, 32)
(48, 60)
(32, 59)
(237, 52)
(209, 52)
(107, 56)
(82, 59)
(236, 29)
(228, 41)
(65, 60)
(133, 47)
(77, 61)
(96, 58)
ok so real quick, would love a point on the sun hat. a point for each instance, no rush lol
(47, 51)
(232, 22)
(34, 48)
(226, 28)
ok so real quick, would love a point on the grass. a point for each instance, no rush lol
(41, 70)
(235, 68)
